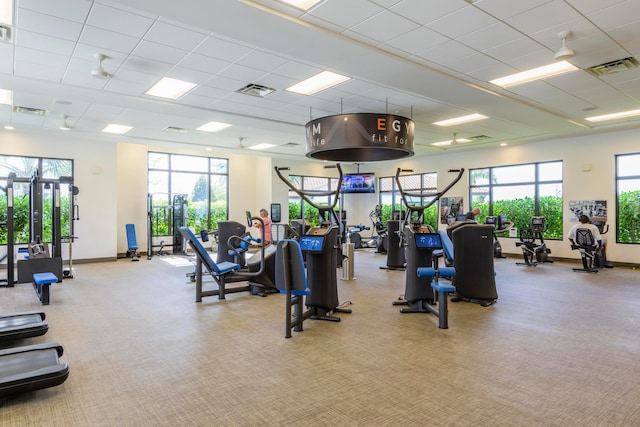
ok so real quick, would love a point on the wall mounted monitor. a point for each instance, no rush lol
(358, 183)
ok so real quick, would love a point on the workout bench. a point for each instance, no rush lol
(223, 273)
(41, 283)
(443, 289)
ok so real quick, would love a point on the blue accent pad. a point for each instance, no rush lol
(426, 272)
(218, 269)
(132, 242)
(443, 287)
(45, 278)
(298, 278)
(447, 244)
(447, 272)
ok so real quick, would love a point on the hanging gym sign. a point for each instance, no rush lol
(360, 137)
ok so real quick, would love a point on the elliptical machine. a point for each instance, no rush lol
(418, 293)
(320, 246)
(380, 240)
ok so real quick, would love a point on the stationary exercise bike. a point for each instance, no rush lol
(533, 252)
(502, 225)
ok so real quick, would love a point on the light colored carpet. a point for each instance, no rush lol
(558, 349)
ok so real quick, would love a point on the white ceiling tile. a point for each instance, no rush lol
(543, 17)
(74, 10)
(345, 13)
(126, 87)
(159, 52)
(241, 73)
(6, 51)
(384, 26)
(217, 47)
(118, 20)
(417, 40)
(145, 65)
(503, 9)
(175, 36)
(203, 63)
(189, 75)
(39, 57)
(461, 22)
(261, 60)
(490, 36)
(296, 70)
(586, 7)
(616, 15)
(424, 13)
(447, 53)
(513, 49)
(107, 39)
(48, 25)
(38, 41)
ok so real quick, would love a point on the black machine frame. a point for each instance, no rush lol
(321, 267)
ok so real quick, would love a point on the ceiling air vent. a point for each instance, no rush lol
(616, 66)
(29, 110)
(256, 90)
(175, 129)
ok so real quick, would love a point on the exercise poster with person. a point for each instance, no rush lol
(445, 208)
(591, 208)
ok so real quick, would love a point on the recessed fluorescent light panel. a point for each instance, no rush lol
(6, 97)
(554, 69)
(170, 88)
(462, 119)
(441, 143)
(119, 129)
(261, 146)
(213, 127)
(613, 116)
(302, 4)
(317, 83)
(6, 12)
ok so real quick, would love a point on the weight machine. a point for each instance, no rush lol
(165, 220)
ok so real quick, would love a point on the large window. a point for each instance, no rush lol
(520, 192)
(390, 198)
(298, 209)
(203, 182)
(49, 172)
(628, 198)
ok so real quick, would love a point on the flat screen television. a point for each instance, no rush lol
(358, 183)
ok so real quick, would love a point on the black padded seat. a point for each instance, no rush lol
(30, 368)
(26, 324)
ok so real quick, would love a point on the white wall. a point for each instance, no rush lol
(112, 180)
(95, 175)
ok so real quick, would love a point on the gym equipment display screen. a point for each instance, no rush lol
(428, 241)
(358, 183)
(311, 243)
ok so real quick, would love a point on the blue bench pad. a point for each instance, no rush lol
(45, 278)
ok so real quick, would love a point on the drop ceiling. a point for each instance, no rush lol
(427, 60)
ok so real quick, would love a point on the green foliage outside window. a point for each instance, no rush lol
(629, 217)
(520, 211)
